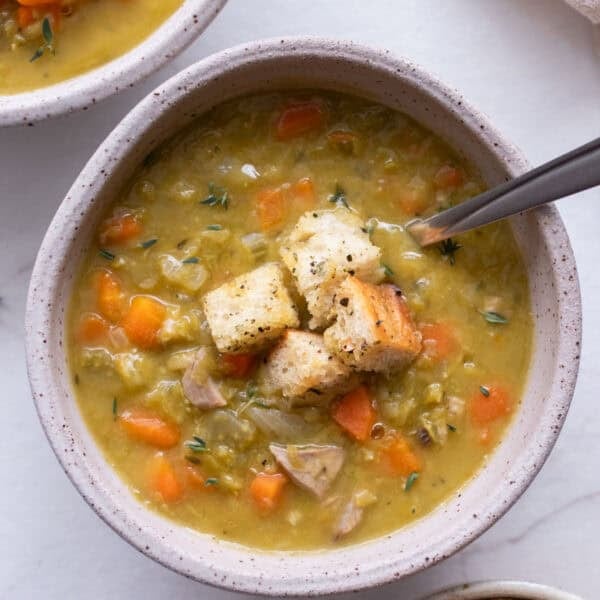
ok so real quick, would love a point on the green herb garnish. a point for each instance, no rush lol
(216, 197)
(484, 390)
(106, 254)
(448, 248)
(411, 481)
(494, 317)
(451, 427)
(251, 390)
(388, 272)
(339, 196)
(211, 481)
(48, 44)
(214, 227)
(149, 243)
(114, 409)
(197, 444)
(192, 260)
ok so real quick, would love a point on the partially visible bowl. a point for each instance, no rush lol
(177, 32)
(556, 304)
(503, 590)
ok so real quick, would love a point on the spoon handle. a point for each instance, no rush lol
(568, 174)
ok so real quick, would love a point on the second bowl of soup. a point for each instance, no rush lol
(260, 362)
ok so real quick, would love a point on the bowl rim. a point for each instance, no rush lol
(38, 315)
(172, 36)
(480, 590)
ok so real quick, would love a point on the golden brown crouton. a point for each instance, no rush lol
(323, 248)
(374, 330)
(249, 312)
(302, 370)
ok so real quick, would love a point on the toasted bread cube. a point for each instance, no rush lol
(374, 330)
(252, 310)
(322, 250)
(303, 371)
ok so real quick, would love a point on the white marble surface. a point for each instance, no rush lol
(531, 65)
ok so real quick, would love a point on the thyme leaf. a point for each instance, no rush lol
(192, 260)
(448, 248)
(197, 444)
(211, 481)
(484, 390)
(411, 480)
(48, 44)
(216, 197)
(339, 196)
(106, 254)
(149, 243)
(493, 317)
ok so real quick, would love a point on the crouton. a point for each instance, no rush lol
(322, 250)
(373, 330)
(252, 310)
(303, 371)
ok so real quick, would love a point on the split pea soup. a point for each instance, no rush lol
(262, 351)
(43, 42)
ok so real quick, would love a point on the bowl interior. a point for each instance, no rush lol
(540, 235)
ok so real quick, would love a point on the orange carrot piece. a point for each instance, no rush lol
(146, 426)
(143, 320)
(355, 413)
(448, 177)
(343, 140)
(300, 119)
(270, 205)
(40, 3)
(486, 409)
(398, 458)
(302, 194)
(110, 297)
(164, 480)
(24, 16)
(120, 229)
(439, 341)
(266, 490)
(93, 329)
(238, 365)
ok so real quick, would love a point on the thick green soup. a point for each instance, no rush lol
(263, 352)
(47, 41)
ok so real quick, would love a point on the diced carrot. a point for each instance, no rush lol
(439, 340)
(143, 320)
(238, 365)
(299, 119)
(146, 426)
(164, 480)
(24, 16)
(266, 490)
(398, 458)
(93, 329)
(448, 177)
(413, 201)
(38, 2)
(355, 413)
(120, 229)
(343, 140)
(302, 194)
(496, 404)
(110, 298)
(270, 205)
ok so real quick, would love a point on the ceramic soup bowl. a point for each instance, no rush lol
(287, 64)
(77, 93)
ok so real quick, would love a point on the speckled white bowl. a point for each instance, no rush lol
(503, 590)
(84, 90)
(316, 63)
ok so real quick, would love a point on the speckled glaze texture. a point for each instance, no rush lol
(284, 64)
(85, 90)
(493, 590)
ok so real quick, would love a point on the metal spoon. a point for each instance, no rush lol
(568, 174)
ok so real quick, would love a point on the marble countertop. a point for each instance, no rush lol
(532, 66)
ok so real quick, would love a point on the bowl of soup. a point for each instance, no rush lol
(246, 365)
(63, 55)
(503, 590)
